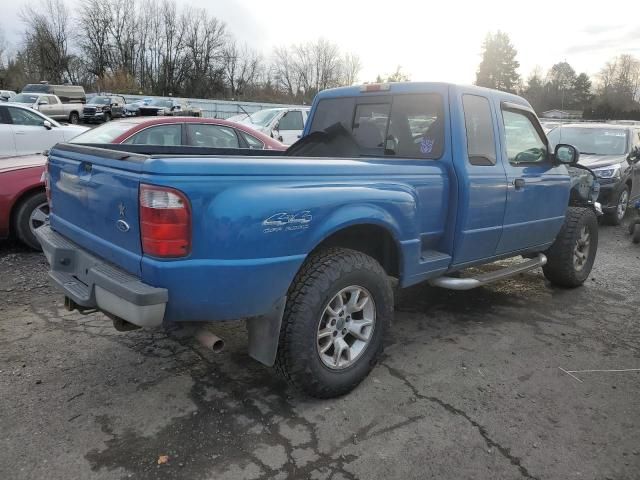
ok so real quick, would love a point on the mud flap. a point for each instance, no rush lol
(264, 334)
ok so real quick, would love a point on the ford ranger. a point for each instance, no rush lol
(391, 184)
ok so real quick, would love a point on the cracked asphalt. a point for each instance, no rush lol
(470, 386)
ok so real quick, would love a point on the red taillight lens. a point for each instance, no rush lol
(165, 222)
(47, 185)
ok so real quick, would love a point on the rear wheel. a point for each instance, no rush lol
(107, 117)
(334, 324)
(615, 217)
(571, 257)
(636, 233)
(32, 213)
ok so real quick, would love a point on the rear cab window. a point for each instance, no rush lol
(402, 125)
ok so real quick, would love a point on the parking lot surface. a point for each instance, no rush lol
(470, 386)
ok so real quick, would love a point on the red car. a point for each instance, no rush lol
(23, 202)
(180, 131)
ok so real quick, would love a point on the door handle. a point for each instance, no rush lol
(519, 183)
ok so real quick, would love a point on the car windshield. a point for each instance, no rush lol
(99, 101)
(161, 103)
(105, 133)
(591, 141)
(25, 98)
(262, 118)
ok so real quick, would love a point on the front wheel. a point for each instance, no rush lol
(107, 117)
(74, 118)
(334, 323)
(615, 217)
(571, 257)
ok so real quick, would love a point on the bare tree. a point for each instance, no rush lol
(94, 26)
(241, 68)
(351, 67)
(47, 36)
(284, 71)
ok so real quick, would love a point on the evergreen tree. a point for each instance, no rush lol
(498, 68)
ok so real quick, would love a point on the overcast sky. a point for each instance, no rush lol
(431, 40)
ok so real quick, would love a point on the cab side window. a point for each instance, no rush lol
(481, 147)
(523, 141)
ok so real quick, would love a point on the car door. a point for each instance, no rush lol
(537, 189)
(30, 134)
(290, 127)
(56, 110)
(480, 173)
(7, 142)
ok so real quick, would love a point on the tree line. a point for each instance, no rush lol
(613, 94)
(156, 48)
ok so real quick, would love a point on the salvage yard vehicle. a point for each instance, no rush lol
(413, 181)
(103, 108)
(613, 153)
(23, 203)
(24, 131)
(284, 124)
(161, 106)
(66, 93)
(179, 131)
(51, 106)
(7, 95)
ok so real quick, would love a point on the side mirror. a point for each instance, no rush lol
(634, 156)
(276, 127)
(566, 154)
(47, 124)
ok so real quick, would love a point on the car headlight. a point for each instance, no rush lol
(608, 172)
(98, 109)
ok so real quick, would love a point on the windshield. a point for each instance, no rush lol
(105, 133)
(161, 103)
(591, 141)
(99, 101)
(262, 118)
(25, 98)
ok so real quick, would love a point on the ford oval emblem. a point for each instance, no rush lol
(122, 225)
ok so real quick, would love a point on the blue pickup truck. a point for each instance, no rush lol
(391, 185)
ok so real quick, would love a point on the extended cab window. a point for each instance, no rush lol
(416, 129)
(524, 143)
(481, 147)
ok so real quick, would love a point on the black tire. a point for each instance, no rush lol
(23, 219)
(107, 117)
(74, 118)
(561, 269)
(320, 280)
(636, 233)
(616, 217)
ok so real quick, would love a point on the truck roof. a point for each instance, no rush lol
(417, 87)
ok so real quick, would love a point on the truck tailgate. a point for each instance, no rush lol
(94, 199)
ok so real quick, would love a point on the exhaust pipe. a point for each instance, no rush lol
(210, 341)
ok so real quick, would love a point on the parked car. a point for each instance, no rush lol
(25, 131)
(7, 95)
(133, 109)
(51, 106)
(283, 124)
(416, 181)
(23, 203)
(166, 107)
(103, 108)
(612, 152)
(177, 131)
(66, 93)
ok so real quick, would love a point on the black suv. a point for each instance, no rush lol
(613, 153)
(103, 108)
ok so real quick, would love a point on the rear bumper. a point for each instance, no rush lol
(94, 283)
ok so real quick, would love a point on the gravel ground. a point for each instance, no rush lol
(470, 387)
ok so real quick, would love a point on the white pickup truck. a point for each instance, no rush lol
(51, 106)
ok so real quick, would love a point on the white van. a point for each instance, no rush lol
(284, 124)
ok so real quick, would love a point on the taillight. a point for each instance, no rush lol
(165, 222)
(47, 184)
